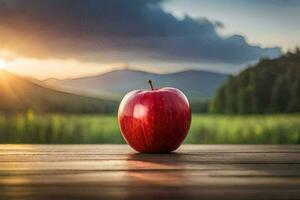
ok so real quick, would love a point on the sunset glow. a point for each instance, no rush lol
(58, 68)
(2, 64)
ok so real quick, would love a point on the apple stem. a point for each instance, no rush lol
(150, 82)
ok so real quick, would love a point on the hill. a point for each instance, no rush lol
(272, 85)
(21, 94)
(194, 83)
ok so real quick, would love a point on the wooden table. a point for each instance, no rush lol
(116, 172)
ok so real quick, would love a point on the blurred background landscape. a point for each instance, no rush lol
(62, 76)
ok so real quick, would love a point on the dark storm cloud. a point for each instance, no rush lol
(117, 30)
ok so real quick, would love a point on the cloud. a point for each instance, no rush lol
(117, 31)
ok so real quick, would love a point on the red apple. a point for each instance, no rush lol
(156, 120)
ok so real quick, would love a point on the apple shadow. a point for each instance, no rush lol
(157, 175)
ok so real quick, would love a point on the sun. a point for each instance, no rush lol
(2, 64)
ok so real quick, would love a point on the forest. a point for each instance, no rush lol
(271, 86)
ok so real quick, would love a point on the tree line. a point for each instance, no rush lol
(271, 86)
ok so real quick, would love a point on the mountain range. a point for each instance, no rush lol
(195, 84)
(22, 94)
(19, 93)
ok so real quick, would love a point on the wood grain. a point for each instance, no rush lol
(117, 172)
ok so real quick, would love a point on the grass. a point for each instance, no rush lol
(259, 129)
(205, 129)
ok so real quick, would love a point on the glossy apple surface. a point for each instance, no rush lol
(154, 121)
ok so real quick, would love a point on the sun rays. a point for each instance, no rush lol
(2, 64)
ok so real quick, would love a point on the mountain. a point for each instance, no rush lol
(21, 94)
(194, 83)
(271, 86)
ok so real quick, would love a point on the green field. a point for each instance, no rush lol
(205, 129)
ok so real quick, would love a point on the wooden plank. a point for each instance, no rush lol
(124, 149)
(117, 172)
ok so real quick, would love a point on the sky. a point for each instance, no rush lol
(72, 38)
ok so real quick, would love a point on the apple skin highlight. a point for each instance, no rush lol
(154, 121)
